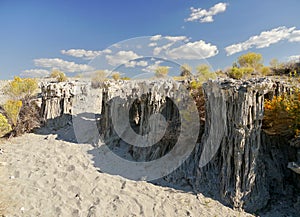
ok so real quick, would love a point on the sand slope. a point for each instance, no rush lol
(47, 177)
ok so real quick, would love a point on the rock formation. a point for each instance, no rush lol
(233, 158)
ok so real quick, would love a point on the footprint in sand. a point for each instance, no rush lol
(70, 168)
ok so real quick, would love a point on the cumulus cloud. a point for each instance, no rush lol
(264, 39)
(295, 36)
(85, 54)
(158, 50)
(194, 50)
(62, 65)
(206, 16)
(294, 58)
(35, 73)
(176, 38)
(172, 40)
(132, 64)
(155, 38)
(122, 57)
(153, 67)
(153, 44)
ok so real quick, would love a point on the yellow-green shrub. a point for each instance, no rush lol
(5, 127)
(161, 71)
(239, 73)
(265, 71)
(58, 75)
(186, 70)
(125, 78)
(195, 85)
(21, 88)
(282, 113)
(116, 76)
(12, 109)
(98, 77)
(235, 73)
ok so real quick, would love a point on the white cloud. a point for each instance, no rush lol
(158, 50)
(264, 39)
(122, 57)
(176, 38)
(85, 54)
(35, 73)
(194, 50)
(62, 65)
(153, 44)
(153, 67)
(155, 38)
(170, 38)
(206, 16)
(295, 36)
(173, 39)
(132, 64)
(294, 58)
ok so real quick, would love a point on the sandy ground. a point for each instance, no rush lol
(43, 176)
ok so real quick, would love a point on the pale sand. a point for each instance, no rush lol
(43, 176)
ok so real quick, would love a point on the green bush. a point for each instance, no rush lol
(282, 114)
(116, 76)
(186, 71)
(21, 88)
(204, 73)
(12, 109)
(239, 73)
(98, 77)
(58, 75)
(251, 60)
(162, 71)
(21, 110)
(235, 73)
(5, 127)
(125, 78)
(265, 71)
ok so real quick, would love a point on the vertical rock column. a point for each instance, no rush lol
(234, 114)
(57, 99)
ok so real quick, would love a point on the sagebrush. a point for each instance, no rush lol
(5, 127)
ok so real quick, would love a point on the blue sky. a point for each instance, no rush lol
(37, 36)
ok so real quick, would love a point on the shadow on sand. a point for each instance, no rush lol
(64, 128)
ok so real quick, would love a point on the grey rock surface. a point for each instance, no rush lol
(233, 159)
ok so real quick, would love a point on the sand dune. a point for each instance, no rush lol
(43, 176)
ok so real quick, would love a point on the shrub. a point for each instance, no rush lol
(5, 127)
(198, 96)
(204, 73)
(22, 111)
(186, 70)
(194, 85)
(161, 71)
(21, 88)
(235, 73)
(116, 76)
(12, 109)
(58, 75)
(251, 60)
(265, 71)
(125, 78)
(98, 77)
(282, 114)
(239, 73)
(29, 118)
